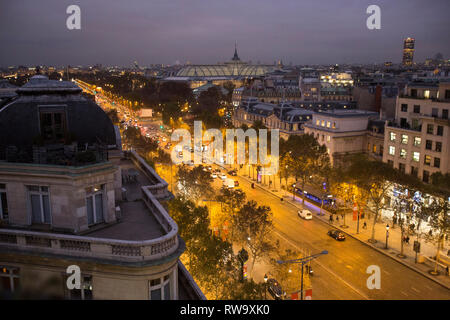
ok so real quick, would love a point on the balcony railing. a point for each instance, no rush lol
(159, 186)
(99, 248)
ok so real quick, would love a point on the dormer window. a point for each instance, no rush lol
(53, 124)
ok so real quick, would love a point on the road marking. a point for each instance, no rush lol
(325, 268)
(415, 289)
(349, 266)
(386, 272)
(404, 293)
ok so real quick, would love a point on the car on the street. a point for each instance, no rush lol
(214, 175)
(223, 176)
(304, 214)
(274, 288)
(232, 173)
(209, 168)
(236, 183)
(337, 235)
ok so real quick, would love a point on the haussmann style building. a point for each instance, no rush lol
(69, 197)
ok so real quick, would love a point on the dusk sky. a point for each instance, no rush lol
(117, 32)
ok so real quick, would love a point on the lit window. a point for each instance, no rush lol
(403, 153)
(328, 124)
(9, 279)
(416, 156)
(404, 139)
(417, 141)
(374, 148)
(334, 125)
(392, 150)
(328, 138)
(392, 136)
(318, 122)
(85, 291)
(427, 160)
(323, 123)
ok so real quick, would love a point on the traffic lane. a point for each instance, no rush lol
(349, 258)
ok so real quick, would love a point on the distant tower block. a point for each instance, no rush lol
(408, 51)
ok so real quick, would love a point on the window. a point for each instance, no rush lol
(328, 124)
(417, 141)
(318, 122)
(426, 176)
(447, 94)
(437, 162)
(404, 107)
(401, 167)
(404, 139)
(434, 112)
(334, 125)
(328, 138)
(427, 160)
(374, 150)
(94, 204)
(416, 156)
(414, 171)
(403, 153)
(3, 203)
(430, 128)
(392, 150)
(404, 123)
(392, 136)
(426, 94)
(53, 124)
(39, 204)
(416, 108)
(85, 291)
(413, 93)
(445, 114)
(160, 288)
(429, 145)
(440, 131)
(323, 123)
(9, 279)
(438, 146)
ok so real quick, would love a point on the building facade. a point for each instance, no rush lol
(417, 142)
(343, 132)
(69, 198)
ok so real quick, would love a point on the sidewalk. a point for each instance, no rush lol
(393, 251)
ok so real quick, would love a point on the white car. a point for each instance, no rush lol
(305, 214)
(223, 176)
(213, 175)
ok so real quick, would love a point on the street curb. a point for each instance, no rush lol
(364, 242)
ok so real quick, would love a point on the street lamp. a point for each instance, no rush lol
(387, 235)
(302, 261)
(265, 286)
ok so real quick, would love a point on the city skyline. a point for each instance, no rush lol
(163, 33)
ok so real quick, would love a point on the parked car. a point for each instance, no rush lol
(213, 175)
(305, 214)
(275, 290)
(223, 176)
(336, 234)
(232, 173)
(236, 183)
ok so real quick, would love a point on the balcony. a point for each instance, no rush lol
(404, 127)
(56, 154)
(145, 232)
(107, 244)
